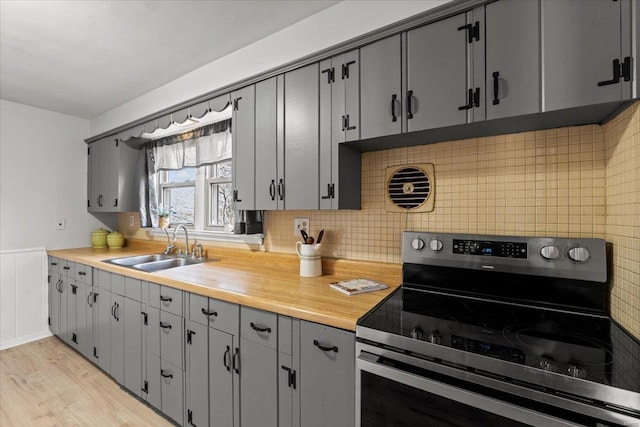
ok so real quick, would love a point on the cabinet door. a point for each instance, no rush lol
(244, 148)
(512, 58)
(102, 328)
(133, 323)
(117, 338)
(224, 390)
(63, 331)
(54, 303)
(71, 336)
(327, 80)
(88, 331)
(380, 80)
(301, 97)
(437, 74)
(110, 159)
(327, 376)
(350, 75)
(171, 338)
(580, 41)
(267, 145)
(258, 385)
(172, 391)
(197, 374)
(152, 385)
(93, 177)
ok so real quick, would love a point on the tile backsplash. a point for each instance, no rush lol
(578, 181)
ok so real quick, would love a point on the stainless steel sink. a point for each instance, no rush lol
(155, 262)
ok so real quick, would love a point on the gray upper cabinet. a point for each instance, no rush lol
(301, 105)
(512, 58)
(327, 376)
(340, 165)
(270, 144)
(437, 75)
(243, 120)
(585, 54)
(381, 90)
(111, 177)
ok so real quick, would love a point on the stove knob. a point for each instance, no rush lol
(577, 371)
(549, 252)
(547, 364)
(434, 337)
(417, 244)
(435, 245)
(416, 333)
(579, 254)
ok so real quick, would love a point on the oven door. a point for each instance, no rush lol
(396, 389)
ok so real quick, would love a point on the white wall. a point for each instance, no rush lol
(43, 176)
(334, 25)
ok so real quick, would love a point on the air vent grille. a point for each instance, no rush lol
(410, 188)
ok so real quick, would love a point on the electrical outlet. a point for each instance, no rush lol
(131, 221)
(61, 223)
(300, 223)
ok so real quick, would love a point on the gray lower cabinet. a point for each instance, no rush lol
(102, 328)
(381, 111)
(151, 385)
(116, 340)
(133, 345)
(171, 378)
(54, 295)
(586, 50)
(301, 108)
(289, 372)
(512, 58)
(197, 393)
(258, 385)
(327, 376)
(90, 320)
(224, 380)
(77, 315)
(244, 159)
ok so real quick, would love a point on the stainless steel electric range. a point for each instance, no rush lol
(494, 330)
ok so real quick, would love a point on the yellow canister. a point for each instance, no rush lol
(115, 240)
(99, 238)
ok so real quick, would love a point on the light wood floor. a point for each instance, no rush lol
(46, 383)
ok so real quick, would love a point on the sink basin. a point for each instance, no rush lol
(155, 262)
(164, 264)
(140, 259)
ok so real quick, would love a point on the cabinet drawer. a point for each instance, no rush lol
(171, 338)
(228, 316)
(132, 288)
(259, 326)
(102, 279)
(166, 298)
(54, 266)
(67, 268)
(198, 307)
(84, 274)
(117, 284)
(172, 391)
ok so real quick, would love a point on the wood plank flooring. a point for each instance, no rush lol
(46, 383)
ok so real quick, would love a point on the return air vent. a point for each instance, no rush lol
(410, 188)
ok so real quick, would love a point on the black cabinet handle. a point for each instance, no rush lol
(616, 74)
(345, 69)
(259, 329)
(469, 102)
(89, 303)
(281, 189)
(145, 318)
(54, 263)
(330, 74)
(496, 82)
(323, 348)
(113, 310)
(409, 104)
(476, 97)
(236, 361)
(66, 267)
(328, 196)
(347, 123)
(291, 377)
(394, 118)
(226, 359)
(117, 316)
(82, 273)
(165, 375)
(473, 31)
(190, 335)
(165, 299)
(74, 289)
(236, 103)
(209, 313)
(272, 189)
(165, 325)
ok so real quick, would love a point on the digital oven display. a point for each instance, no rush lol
(489, 248)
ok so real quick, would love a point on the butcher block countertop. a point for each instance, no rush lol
(263, 280)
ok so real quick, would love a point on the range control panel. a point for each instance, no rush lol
(582, 259)
(489, 248)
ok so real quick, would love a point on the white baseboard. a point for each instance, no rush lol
(24, 340)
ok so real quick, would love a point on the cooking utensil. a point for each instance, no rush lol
(309, 240)
(320, 236)
(304, 234)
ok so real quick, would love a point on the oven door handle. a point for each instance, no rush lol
(368, 362)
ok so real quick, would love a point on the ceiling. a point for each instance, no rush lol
(84, 58)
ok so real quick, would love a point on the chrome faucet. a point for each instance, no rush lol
(186, 237)
(170, 247)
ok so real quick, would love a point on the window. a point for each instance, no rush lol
(219, 192)
(178, 194)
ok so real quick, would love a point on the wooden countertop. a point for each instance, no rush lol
(261, 280)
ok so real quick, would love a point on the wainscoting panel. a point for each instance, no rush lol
(23, 296)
